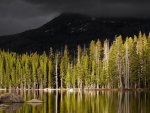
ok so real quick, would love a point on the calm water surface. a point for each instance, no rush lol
(82, 102)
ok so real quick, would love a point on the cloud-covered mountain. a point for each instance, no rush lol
(72, 29)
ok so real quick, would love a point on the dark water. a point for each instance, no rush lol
(82, 102)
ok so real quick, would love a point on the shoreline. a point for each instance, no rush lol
(77, 89)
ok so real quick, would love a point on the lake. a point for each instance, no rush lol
(82, 102)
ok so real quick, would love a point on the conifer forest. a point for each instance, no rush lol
(118, 64)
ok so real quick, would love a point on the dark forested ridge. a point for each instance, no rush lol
(72, 29)
(123, 64)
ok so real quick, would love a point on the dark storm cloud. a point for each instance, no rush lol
(19, 9)
(20, 15)
(123, 8)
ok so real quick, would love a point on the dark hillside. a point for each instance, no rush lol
(72, 29)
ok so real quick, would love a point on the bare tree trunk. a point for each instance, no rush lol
(67, 85)
(120, 73)
(139, 71)
(127, 68)
(28, 86)
(98, 74)
(56, 67)
(81, 86)
(145, 81)
(41, 85)
(21, 86)
(139, 80)
(61, 83)
(106, 59)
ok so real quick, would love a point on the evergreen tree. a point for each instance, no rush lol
(123, 64)
(63, 66)
(119, 56)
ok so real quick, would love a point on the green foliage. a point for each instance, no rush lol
(121, 64)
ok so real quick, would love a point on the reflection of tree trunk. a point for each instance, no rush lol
(97, 102)
(111, 99)
(56, 101)
(61, 96)
(139, 102)
(74, 100)
(120, 102)
(145, 98)
(127, 102)
(47, 102)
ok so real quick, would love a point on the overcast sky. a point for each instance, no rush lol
(20, 15)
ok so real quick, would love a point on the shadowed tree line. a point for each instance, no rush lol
(121, 64)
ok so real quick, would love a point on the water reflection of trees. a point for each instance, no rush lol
(105, 102)
(87, 102)
(10, 107)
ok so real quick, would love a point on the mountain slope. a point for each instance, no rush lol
(72, 29)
